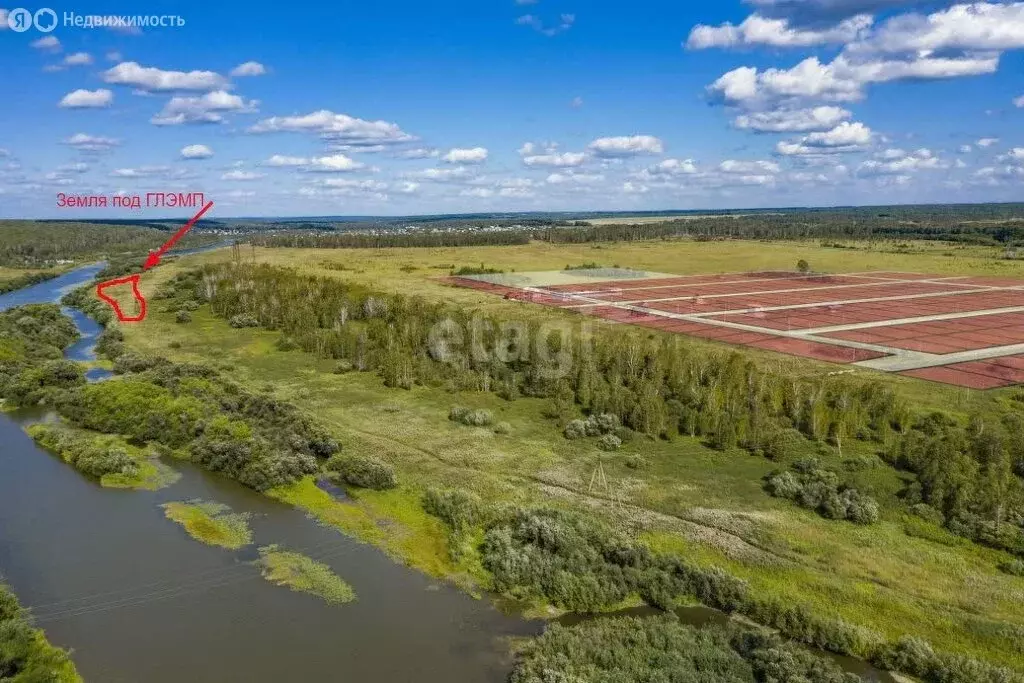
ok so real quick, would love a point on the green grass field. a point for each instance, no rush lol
(899, 576)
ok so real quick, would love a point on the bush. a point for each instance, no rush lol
(342, 366)
(503, 428)
(818, 489)
(470, 417)
(243, 320)
(595, 425)
(609, 442)
(456, 508)
(636, 462)
(364, 471)
(183, 317)
(285, 343)
(927, 513)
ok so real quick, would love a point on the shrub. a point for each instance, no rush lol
(183, 317)
(595, 425)
(457, 508)
(285, 343)
(576, 429)
(342, 366)
(818, 489)
(243, 320)
(470, 417)
(503, 428)
(364, 471)
(609, 442)
(927, 513)
(190, 305)
(636, 462)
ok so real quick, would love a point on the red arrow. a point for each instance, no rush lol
(154, 256)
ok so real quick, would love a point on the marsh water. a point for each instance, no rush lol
(139, 601)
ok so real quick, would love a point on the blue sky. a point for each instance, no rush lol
(411, 107)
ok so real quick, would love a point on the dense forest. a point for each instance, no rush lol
(41, 244)
(25, 656)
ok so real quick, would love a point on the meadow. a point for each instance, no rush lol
(900, 576)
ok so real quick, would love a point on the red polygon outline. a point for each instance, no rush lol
(134, 280)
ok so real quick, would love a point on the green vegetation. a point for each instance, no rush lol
(301, 573)
(25, 280)
(364, 471)
(695, 499)
(111, 459)
(35, 244)
(211, 523)
(476, 270)
(25, 655)
(819, 489)
(622, 649)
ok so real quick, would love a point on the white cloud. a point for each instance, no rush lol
(151, 79)
(77, 167)
(78, 59)
(669, 167)
(477, 192)
(249, 69)
(629, 187)
(1019, 102)
(338, 127)
(196, 152)
(748, 167)
(334, 163)
(87, 99)
(576, 102)
(903, 163)
(792, 120)
(564, 23)
(409, 188)
(472, 155)
(114, 56)
(140, 172)
(889, 154)
(626, 146)
(970, 26)
(282, 160)
(207, 108)
(840, 80)
(46, 43)
(986, 142)
(965, 149)
(242, 175)
(758, 30)
(549, 155)
(846, 137)
(91, 143)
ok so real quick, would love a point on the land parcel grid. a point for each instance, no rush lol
(961, 330)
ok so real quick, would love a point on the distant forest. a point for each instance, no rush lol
(993, 225)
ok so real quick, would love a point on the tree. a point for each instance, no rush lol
(803, 266)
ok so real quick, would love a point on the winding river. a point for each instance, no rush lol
(139, 601)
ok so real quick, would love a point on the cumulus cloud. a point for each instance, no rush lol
(846, 137)
(468, 155)
(207, 108)
(139, 172)
(87, 99)
(46, 43)
(840, 80)
(965, 149)
(986, 142)
(1019, 102)
(152, 79)
(196, 152)
(668, 168)
(626, 146)
(91, 143)
(975, 26)
(570, 177)
(242, 175)
(792, 120)
(249, 69)
(333, 163)
(442, 175)
(78, 59)
(548, 155)
(748, 167)
(759, 30)
(341, 128)
(903, 163)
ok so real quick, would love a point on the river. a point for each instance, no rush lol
(139, 601)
